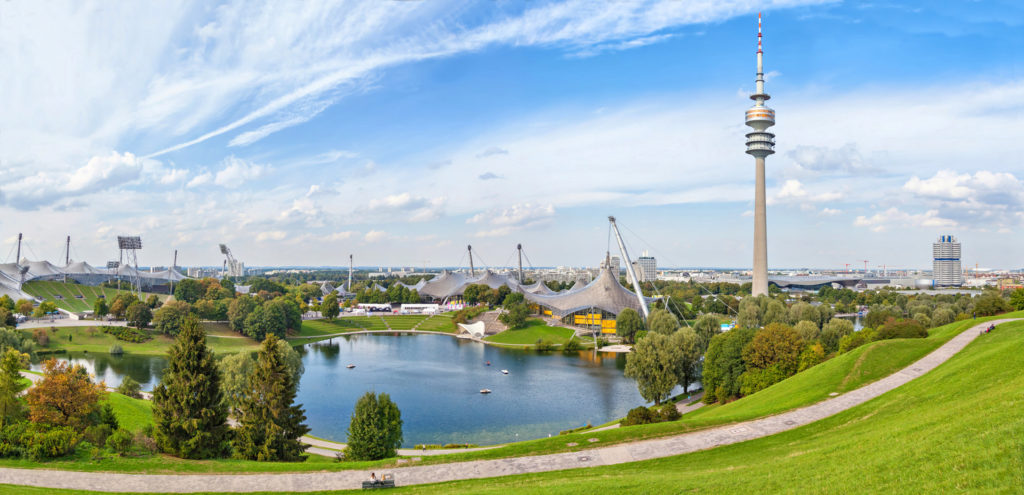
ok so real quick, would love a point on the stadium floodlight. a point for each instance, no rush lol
(224, 249)
(129, 242)
(113, 264)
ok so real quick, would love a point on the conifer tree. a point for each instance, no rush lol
(188, 404)
(271, 422)
(375, 431)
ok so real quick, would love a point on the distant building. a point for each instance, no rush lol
(648, 271)
(946, 268)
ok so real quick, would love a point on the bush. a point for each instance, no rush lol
(812, 356)
(116, 350)
(757, 379)
(104, 415)
(144, 441)
(42, 338)
(668, 412)
(902, 329)
(543, 345)
(120, 442)
(572, 345)
(97, 434)
(56, 442)
(130, 388)
(638, 416)
(127, 334)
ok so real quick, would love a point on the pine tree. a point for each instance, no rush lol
(188, 404)
(271, 422)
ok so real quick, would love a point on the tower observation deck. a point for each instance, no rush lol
(760, 144)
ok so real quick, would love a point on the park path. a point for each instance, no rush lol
(413, 475)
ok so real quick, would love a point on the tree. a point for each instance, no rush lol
(270, 421)
(228, 285)
(749, 316)
(44, 308)
(6, 303)
(513, 298)
(1016, 300)
(473, 293)
(153, 301)
(188, 290)
(189, 411)
(835, 329)
(688, 366)
(268, 319)
(170, 317)
(239, 310)
(24, 306)
(139, 315)
(723, 364)
(235, 370)
(329, 306)
(515, 315)
(65, 396)
(11, 407)
(808, 331)
(663, 322)
(627, 324)
(811, 356)
(706, 327)
(7, 318)
(100, 308)
(774, 312)
(901, 329)
(990, 303)
(375, 430)
(653, 364)
(776, 345)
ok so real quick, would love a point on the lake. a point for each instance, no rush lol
(436, 380)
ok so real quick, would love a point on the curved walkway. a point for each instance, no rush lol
(413, 475)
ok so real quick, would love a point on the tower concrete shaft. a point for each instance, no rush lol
(760, 144)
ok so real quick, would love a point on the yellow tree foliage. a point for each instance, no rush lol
(65, 396)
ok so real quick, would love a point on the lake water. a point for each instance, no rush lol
(436, 381)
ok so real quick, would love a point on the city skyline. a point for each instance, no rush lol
(356, 130)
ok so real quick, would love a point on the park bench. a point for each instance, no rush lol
(385, 481)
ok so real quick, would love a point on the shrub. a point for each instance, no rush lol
(104, 415)
(120, 442)
(572, 345)
(668, 412)
(48, 444)
(97, 434)
(902, 329)
(757, 379)
(116, 350)
(638, 416)
(145, 441)
(42, 338)
(811, 356)
(130, 388)
(126, 334)
(543, 345)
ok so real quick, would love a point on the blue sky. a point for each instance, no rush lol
(402, 131)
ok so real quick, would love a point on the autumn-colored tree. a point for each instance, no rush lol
(65, 396)
(24, 306)
(778, 344)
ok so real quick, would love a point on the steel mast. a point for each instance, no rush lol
(629, 269)
(519, 247)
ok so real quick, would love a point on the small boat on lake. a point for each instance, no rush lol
(504, 372)
(488, 363)
(351, 366)
(485, 391)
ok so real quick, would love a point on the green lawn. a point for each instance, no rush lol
(92, 339)
(956, 429)
(438, 323)
(74, 297)
(132, 414)
(535, 330)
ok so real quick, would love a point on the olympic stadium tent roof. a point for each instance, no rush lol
(445, 285)
(604, 293)
(419, 285)
(82, 268)
(167, 275)
(537, 288)
(377, 287)
(493, 280)
(37, 269)
(12, 270)
(326, 288)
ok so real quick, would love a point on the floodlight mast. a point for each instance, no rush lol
(17, 257)
(472, 272)
(131, 245)
(629, 269)
(519, 247)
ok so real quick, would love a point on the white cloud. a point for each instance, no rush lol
(893, 217)
(793, 191)
(405, 207)
(237, 172)
(375, 236)
(273, 235)
(200, 180)
(100, 174)
(492, 151)
(830, 212)
(516, 217)
(173, 176)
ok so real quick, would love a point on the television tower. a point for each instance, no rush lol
(760, 143)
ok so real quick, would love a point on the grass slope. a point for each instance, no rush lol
(956, 429)
(132, 414)
(92, 339)
(74, 297)
(533, 331)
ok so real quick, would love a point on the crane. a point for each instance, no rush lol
(865, 266)
(847, 269)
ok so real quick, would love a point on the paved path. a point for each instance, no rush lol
(68, 322)
(601, 456)
(331, 447)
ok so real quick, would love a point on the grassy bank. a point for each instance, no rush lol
(955, 429)
(534, 331)
(90, 338)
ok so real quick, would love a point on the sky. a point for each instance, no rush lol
(401, 131)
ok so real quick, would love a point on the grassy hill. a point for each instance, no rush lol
(533, 331)
(72, 297)
(959, 428)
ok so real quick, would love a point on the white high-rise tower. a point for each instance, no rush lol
(760, 143)
(946, 262)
